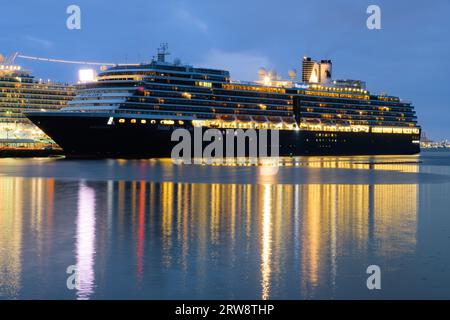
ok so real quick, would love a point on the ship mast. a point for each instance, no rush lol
(163, 51)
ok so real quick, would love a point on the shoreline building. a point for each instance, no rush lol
(21, 92)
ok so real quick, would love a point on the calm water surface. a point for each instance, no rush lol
(153, 230)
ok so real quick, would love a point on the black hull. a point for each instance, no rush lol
(90, 136)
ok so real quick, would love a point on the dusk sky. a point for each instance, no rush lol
(408, 57)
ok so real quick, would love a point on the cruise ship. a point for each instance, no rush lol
(20, 91)
(131, 111)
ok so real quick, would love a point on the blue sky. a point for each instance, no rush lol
(408, 57)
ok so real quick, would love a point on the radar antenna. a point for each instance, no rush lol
(163, 51)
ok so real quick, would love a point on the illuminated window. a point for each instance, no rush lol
(181, 122)
(121, 120)
(204, 84)
(133, 120)
(186, 95)
(252, 88)
(143, 121)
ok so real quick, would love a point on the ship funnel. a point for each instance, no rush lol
(325, 71)
(316, 71)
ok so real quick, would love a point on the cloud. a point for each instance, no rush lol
(242, 65)
(187, 17)
(39, 41)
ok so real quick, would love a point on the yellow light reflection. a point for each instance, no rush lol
(11, 215)
(167, 220)
(266, 240)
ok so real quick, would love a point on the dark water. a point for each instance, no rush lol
(153, 230)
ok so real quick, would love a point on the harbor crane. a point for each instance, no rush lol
(162, 53)
(65, 61)
(11, 59)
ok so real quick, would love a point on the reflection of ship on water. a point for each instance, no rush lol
(378, 221)
(278, 240)
(11, 242)
(26, 210)
(312, 223)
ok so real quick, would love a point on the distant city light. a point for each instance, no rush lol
(86, 75)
